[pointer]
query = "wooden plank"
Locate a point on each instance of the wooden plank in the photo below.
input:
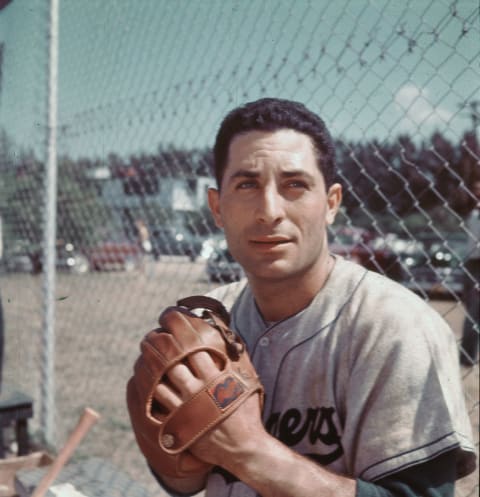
(10, 466)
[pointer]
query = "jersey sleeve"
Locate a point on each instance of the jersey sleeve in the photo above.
(434, 478)
(404, 401)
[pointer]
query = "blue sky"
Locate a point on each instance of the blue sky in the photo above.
(133, 75)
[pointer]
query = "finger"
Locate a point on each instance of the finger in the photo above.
(166, 398)
(203, 366)
(184, 380)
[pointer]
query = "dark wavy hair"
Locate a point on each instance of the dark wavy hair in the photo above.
(273, 114)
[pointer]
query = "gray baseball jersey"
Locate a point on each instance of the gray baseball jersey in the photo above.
(365, 380)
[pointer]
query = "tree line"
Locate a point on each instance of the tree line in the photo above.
(402, 185)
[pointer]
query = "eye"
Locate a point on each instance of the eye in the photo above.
(297, 184)
(245, 185)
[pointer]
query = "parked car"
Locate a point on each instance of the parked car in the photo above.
(222, 267)
(115, 255)
(18, 257)
(212, 243)
(25, 257)
(172, 241)
(408, 253)
(357, 245)
(439, 273)
(69, 258)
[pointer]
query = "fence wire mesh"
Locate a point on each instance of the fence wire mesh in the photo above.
(141, 91)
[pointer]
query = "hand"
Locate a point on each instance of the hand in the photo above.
(236, 435)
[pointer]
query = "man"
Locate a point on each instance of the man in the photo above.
(471, 294)
(363, 395)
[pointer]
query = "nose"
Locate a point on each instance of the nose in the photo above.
(270, 206)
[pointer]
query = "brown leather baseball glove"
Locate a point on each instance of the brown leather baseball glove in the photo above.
(164, 437)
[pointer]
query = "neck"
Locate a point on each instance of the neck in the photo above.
(281, 298)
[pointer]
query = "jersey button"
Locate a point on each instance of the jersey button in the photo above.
(264, 341)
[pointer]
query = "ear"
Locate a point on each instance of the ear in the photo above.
(213, 196)
(334, 200)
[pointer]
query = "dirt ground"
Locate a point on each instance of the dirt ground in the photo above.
(100, 320)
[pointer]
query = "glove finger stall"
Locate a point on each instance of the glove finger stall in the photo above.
(146, 435)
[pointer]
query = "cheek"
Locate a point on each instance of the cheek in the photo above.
(230, 209)
(313, 225)
(314, 214)
(231, 217)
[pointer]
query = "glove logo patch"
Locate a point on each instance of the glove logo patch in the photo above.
(226, 392)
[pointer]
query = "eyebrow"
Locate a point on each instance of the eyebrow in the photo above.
(292, 173)
(245, 173)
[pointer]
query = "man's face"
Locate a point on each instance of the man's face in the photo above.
(273, 205)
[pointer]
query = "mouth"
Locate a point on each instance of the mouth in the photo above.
(270, 241)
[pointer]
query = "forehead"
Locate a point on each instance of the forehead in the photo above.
(284, 146)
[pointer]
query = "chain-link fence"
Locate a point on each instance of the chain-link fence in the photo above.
(140, 92)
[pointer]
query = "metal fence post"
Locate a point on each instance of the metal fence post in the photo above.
(47, 410)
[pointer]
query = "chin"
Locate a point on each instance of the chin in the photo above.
(273, 272)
